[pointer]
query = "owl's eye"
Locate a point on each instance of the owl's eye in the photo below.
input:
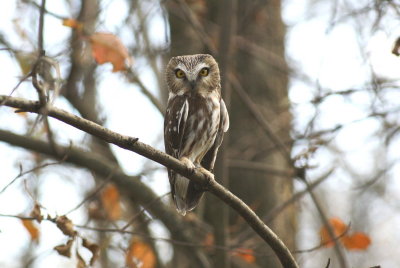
(204, 71)
(179, 73)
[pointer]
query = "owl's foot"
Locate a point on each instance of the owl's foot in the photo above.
(208, 174)
(189, 164)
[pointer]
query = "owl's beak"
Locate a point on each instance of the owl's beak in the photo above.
(192, 84)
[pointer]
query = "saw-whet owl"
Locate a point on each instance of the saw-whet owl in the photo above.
(195, 122)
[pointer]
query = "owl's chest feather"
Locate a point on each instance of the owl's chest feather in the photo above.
(201, 127)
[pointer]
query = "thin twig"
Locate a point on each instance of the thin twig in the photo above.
(144, 208)
(93, 194)
(335, 239)
(57, 16)
(21, 174)
(17, 86)
(41, 26)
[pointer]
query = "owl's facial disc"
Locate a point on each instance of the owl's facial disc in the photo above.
(192, 77)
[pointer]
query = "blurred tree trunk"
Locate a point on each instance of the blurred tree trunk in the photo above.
(260, 26)
(266, 82)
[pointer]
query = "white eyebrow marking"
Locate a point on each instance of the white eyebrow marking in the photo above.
(195, 71)
(182, 67)
(200, 66)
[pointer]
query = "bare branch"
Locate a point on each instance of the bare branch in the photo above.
(149, 152)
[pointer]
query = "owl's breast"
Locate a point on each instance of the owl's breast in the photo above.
(201, 128)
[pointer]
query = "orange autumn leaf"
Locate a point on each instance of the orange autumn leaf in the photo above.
(246, 254)
(111, 202)
(72, 23)
(140, 254)
(338, 227)
(31, 228)
(356, 241)
(107, 47)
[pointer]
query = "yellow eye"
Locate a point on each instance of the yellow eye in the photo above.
(179, 73)
(204, 71)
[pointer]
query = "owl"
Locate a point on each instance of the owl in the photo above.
(195, 122)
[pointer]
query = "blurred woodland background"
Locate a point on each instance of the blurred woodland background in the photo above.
(312, 91)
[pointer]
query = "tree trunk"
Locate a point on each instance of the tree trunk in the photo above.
(258, 64)
(266, 82)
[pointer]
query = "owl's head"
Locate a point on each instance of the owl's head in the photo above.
(193, 73)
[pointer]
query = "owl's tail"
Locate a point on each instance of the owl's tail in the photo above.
(186, 194)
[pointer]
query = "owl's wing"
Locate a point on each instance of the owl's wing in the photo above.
(174, 124)
(209, 159)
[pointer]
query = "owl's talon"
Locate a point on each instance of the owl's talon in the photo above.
(207, 173)
(189, 164)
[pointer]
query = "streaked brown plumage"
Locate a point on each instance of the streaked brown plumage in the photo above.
(195, 122)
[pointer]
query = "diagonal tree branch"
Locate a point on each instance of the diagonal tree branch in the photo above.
(149, 152)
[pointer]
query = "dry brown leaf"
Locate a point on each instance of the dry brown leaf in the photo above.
(140, 254)
(32, 229)
(94, 248)
(111, 202)
(396, 47)
(36, 213)
(65, 225)
(81, 262)
(65, 250)
(107, 47)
